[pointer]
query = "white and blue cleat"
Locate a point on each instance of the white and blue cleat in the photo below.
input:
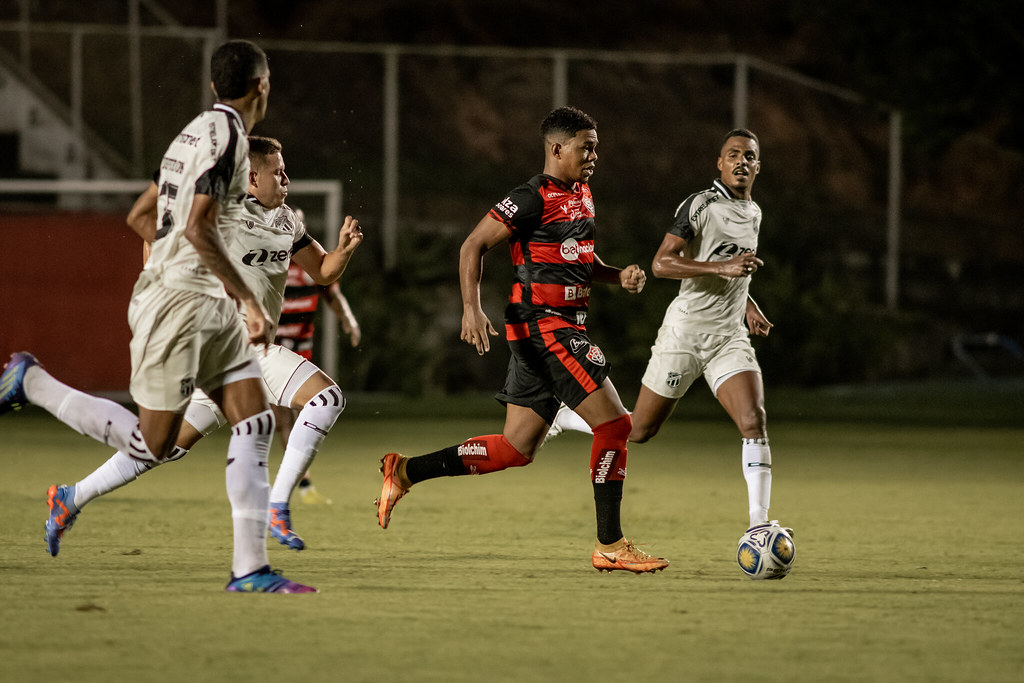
(12, 381)
(281, 527)
(266, 580)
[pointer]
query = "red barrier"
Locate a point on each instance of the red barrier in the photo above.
(65, 283)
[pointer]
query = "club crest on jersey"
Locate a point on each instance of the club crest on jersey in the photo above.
(589, 203)
(595, 355)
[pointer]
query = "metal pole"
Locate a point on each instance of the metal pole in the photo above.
(740, 94)
(135, 85)
(892, 256)
(560, 79)
(389, 227)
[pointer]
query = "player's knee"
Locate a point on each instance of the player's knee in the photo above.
(753, 423)
(643, 432)
(617, 430)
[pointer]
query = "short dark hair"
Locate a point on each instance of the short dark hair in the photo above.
(741, 133)
(260, 148)
(234, 66)
(566, 120)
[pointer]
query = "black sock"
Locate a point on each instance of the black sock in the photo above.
(608, 500)
(443, 463)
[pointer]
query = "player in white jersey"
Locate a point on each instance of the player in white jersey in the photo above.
(185, 329)
(712, 249)
(271, 235)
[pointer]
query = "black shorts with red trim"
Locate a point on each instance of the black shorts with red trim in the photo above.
(553, 361)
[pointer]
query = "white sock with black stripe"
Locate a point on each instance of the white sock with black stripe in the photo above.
(311, 426)
(117, 471)
(757, 470)
(249, 490)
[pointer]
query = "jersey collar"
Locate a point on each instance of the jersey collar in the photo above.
(721, 188)
(217, 106)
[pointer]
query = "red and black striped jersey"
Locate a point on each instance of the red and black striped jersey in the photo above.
(301, 295)
(551, 236)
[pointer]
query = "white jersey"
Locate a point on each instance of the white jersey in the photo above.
(262, 249)
(716, 226)
(210, 156)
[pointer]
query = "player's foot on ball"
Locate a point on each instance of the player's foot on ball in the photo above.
(625, 555)
(12, 382)
(63, 513)
(392, 490)
(266, 580)
(773, 522)
(281, 527)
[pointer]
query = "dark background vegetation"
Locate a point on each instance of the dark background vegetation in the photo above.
(468, 135)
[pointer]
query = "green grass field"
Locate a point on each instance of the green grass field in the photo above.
(907, 513)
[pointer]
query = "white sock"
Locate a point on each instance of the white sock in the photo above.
(757, 470)
(311, 426)
(567, 419)
(95, 417)
(119, 470)
(249, 490)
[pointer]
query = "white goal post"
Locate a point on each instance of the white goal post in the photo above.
(329, 190)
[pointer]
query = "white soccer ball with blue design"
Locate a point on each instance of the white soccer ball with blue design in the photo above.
(766, 551)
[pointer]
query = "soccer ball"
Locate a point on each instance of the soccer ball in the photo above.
(766, 551)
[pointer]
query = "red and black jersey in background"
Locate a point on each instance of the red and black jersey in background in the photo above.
(551, 236)
(301, 295)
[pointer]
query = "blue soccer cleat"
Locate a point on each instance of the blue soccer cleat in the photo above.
(266, 580)
(281, 526)
(63, 513)
(12, 381)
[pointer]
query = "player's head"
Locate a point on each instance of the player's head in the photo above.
(268, 182)
(739, 161)
(570, 143)
(239, 69)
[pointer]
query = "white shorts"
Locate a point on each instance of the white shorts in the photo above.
(181, 341)
(284, 372)
(678, 358)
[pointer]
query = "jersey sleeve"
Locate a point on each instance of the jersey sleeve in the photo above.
(300, 238)
(520, 211)
(682, 224)
(216, 179)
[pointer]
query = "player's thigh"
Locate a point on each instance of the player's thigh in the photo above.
(677, 359)
(287, 376)
(241, 399)
(601, 406)
(734, 356)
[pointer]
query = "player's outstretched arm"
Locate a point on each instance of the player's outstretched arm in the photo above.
(476, 328)
(632, 278)
(337, 302)
(325, 267)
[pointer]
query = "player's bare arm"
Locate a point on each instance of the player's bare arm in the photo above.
(142, 217)
(670, 263)
(337, 302)
(476, 328)
(325, 267)
(757, 323)
(632, 278)
(201, 232)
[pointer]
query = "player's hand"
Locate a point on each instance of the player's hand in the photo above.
(350, 236)
(756, 322)
(633, 278)
(477, 330)
(741, 265)
(257, 323)
(351, 328)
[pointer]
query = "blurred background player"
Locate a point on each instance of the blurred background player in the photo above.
(270, 235)
(296, 330)
(549, 223)
(186, 332)
(711, 249)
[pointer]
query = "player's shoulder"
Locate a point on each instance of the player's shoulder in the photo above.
(697, 203)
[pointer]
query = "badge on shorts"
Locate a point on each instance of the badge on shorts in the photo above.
(595, 355)
(673, 379)
(188, 385)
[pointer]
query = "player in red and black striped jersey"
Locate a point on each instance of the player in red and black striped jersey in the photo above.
(549, 224)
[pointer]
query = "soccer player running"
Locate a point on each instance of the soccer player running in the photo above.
(186, 332)
(711, 249)
(270, 234)
(549, 223)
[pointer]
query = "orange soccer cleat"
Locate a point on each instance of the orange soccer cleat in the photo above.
(625, 555)
(392, 490)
